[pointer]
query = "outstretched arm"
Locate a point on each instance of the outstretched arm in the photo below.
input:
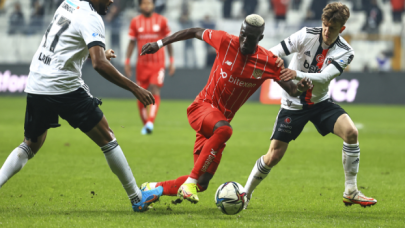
(109, 72)
(296, 90)
(323, 77)
(185, 34)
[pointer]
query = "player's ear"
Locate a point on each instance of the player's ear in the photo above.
(342, 29)
(261, 37)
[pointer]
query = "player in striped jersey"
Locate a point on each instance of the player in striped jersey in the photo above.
(240, 68)
(150, 69)
(321, 55)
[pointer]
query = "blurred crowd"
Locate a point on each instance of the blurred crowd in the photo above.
(29, 24)
(35, 19)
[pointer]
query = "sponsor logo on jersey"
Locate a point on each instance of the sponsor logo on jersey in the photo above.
(72, 4)
(67, 7)
(307, 53)
(228, 63)
(314, 69)
(306, 64)
(45, 59)
(320, 58)
(287, 120)
(210, 31)
(141, 29)
(240, 83)
(98, 34)
(223, 74)
(257, 73)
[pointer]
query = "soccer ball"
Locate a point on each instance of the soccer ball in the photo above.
(230, 198)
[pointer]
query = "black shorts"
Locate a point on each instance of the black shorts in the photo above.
(290, 123)
(78, 108)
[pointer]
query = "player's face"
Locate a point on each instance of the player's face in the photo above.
(330, 31)
(103, 6)
(147, 7)
(249, 37)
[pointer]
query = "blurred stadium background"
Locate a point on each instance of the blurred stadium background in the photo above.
(375, 30)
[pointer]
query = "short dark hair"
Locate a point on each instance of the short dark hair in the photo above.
(336, 12)
(140, 2)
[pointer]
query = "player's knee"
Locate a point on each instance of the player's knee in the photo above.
(224, 132)
(351, 135)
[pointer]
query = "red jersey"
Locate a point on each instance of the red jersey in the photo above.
(149, 29)
(235, 77)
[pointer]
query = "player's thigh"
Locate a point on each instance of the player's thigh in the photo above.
(143, 76)
(80, 109)
(101, 133)
(157, 77)
(345, 129)
(40, 115)
(289, 124)
(203, 118)
(326, 119)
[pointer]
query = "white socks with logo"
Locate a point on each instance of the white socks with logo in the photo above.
(15, 162)
(351, 161)
(259, 172)
(119, 166)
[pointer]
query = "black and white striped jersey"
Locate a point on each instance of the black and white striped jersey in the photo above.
(57, 64)
(315, 60)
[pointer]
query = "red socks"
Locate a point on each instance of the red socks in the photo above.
(143, 112)
(154, 109)
(171, 187)
(210, 150)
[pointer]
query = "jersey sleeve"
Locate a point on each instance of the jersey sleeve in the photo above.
(342, 62)
(93, 31)
(291, 44)
(132, 30)
(165, 31)
(271, 70)
(213, 37)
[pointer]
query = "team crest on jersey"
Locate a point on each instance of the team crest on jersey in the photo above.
(140, 29)
(257, 73)
(320, 58)
(287, 120)
(156, 28)
(329, 61)
(228, 63)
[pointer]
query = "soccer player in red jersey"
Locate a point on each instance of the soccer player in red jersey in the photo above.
(150, 70)
(240, 68)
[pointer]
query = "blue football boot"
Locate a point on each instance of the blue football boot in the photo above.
(148, 197)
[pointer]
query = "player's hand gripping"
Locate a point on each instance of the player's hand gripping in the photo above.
(305, 84)
(110, 54)
(144, 96)
(150, 48)
(288, 74)
(280, 62)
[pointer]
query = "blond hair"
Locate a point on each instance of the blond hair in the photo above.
(255, 20)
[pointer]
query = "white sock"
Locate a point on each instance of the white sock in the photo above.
(259, 172)
(191, 181)
(119, 166)
(152, 185)
(15, 162)
(351, 161)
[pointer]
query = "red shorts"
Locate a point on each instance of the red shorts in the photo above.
(149, 74)
(202, 118)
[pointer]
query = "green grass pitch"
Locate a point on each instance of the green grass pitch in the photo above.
(69, 184)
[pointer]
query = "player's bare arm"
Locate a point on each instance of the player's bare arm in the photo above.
(151, 48)
(296, 89)
(109, 72)
(109, 54)
(172, 68)
(130, 49)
